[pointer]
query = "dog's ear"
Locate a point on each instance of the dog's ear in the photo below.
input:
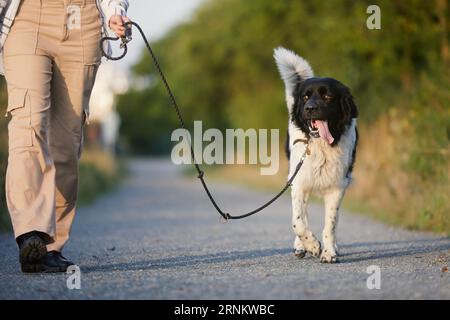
(348, 105)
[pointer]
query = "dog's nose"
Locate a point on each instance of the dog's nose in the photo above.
(310, 107)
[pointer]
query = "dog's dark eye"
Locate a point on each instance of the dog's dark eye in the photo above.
(305, 97)
(328, 97)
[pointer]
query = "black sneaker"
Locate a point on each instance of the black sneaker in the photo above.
(55, 262)
(32, 251)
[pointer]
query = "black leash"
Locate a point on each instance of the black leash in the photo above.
(201, 174)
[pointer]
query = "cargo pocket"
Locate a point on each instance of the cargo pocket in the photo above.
(20, 131)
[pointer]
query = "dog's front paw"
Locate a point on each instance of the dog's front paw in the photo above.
(313, 247)
(328, 257)
(316, 250)
(299, 249)
(300, 253)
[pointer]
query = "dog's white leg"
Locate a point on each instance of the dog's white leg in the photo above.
(332, 202)
(305, 240)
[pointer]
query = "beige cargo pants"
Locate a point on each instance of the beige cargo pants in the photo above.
(51, 56)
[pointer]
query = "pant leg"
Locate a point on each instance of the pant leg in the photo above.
(68, 115)
(30, 187)
(76, 64)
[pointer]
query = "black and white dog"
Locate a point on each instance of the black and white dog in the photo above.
(322, 118)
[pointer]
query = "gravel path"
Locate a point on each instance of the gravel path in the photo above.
(157, 237)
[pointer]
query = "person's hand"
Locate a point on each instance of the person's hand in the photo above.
(116, 23)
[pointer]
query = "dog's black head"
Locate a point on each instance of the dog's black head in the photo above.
(323, 105)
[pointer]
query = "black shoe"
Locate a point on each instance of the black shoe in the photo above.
(32, 251)
(65, 260)
(55, 262)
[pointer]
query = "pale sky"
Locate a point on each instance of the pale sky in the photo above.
(156, 17)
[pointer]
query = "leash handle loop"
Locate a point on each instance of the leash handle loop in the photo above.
(125, 40)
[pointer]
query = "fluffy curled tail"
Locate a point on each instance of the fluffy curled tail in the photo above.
(292, 67)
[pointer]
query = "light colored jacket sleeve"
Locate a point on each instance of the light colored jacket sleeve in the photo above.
(112, 7)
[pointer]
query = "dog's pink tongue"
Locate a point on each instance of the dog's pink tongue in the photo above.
(324, 132)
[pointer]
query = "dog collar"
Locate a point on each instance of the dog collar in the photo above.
(314, 134)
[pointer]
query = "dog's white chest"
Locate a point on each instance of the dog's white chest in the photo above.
(325, 167)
